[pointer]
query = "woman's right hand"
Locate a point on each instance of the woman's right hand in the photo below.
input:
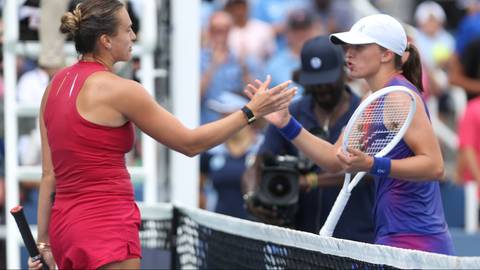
(279, 118)
(270, 103)
(47, 257)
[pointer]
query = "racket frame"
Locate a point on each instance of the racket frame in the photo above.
(342, 199)
(371, 98)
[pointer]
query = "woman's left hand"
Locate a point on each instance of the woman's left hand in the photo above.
(355, 160)
(280, 115)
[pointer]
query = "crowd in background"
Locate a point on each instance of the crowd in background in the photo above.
(247, 39)
(242, 40)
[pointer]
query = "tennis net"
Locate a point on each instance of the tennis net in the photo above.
(206, 240)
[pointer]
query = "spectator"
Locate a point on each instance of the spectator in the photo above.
(469, 27)
(434, 42)
(460, 68)
(436, 46)
(225, 164)
(207, 8)
(324, 109)
(249, 37)
(468, 165)
(220, 70)
(274, 12)
(300, 28)
(465, 71)
(334, 15)
(29, 16)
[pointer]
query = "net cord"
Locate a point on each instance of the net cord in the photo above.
(376, 254)
(395, 257)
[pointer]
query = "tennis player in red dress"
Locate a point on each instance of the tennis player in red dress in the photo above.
(86, 122)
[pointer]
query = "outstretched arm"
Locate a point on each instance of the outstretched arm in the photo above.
(137, 106)
(319, 151)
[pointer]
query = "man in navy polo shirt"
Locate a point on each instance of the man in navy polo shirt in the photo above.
(324, 110)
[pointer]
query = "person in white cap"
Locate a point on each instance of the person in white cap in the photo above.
(433, 41)
(408, 211)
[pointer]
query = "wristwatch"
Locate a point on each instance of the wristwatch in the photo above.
(248, 114)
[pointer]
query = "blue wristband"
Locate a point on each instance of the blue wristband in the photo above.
(291, 130)
(381, 166)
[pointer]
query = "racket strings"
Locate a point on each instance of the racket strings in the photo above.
(378, 124)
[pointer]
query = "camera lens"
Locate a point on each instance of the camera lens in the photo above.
(279, 186)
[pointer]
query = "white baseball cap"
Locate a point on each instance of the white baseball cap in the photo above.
(429, 9)
(380, 29)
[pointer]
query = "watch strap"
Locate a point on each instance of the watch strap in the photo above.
(249, 115)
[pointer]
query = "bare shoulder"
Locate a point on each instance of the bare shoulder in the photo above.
(112, 81)
(420, 102)
(124, 96)
(112, 86)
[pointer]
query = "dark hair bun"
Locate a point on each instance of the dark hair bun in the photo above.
(71, 22)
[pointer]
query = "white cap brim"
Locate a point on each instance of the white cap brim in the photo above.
(351, 38)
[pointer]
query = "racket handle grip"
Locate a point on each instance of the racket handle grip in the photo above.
(335, 213)
(24, 228)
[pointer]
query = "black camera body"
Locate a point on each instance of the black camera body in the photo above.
(278, 190)
(279, 186)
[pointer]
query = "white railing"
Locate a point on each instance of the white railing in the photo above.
(471, 207)
(11, 131)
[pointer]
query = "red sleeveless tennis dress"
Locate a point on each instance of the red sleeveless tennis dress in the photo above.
(94, 219)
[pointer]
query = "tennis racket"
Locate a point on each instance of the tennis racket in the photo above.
(376, 126)
(17, 213)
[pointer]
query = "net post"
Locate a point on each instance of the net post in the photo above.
(173, 237)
